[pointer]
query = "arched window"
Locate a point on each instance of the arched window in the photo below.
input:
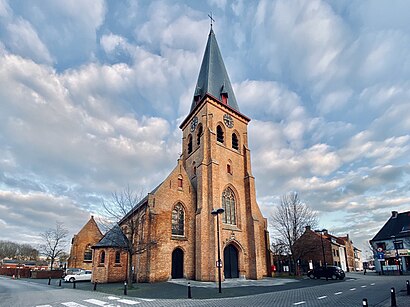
(178, 216)
(194, 167)
(117, 257)
(219, 134)
(189, 144)
(102, 257)
(235, 142)
(229, 169)
(88, 253)
(198, 136)
(140, 229)
(180, 182)
(228, 204)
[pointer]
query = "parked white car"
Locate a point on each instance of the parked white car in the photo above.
(80, 276)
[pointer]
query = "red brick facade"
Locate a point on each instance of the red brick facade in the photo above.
(89, 235)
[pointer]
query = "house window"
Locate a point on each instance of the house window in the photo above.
(398, 244)
(102, 257)
(198, 136)
(189, 144)
(228, 204)
(117, 257)
(235, 142)
(219, 134)
(180, 182)
(88, 253)
(178, 216)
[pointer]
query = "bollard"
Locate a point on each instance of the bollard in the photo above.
(74, 284)
(49, 280)
(365, 302)
(393, 297)
(125, 288)
(408, 287)
(95, 286)
(59, 283)
(189, 290)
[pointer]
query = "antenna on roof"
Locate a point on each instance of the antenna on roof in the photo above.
(212, 20)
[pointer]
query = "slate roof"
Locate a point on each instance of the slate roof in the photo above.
(140, 203)
(113, 238)
(213, 78)
(396, 226)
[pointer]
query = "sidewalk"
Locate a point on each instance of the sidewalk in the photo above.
(402, 299)
(178, 289)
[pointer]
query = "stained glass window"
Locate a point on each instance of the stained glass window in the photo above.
(228, 204)
(178, 217)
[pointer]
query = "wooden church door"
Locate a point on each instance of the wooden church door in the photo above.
(231, 262)
(177, 263)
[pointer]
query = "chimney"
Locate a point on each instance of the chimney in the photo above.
(307, 228)
(394, 214)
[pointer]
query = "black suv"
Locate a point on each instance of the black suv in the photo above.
(333, 272)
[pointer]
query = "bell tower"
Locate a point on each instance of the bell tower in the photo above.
(216, 157)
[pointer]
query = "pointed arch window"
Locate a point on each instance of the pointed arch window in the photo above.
(228, 204)
(198, 136)
(219, 134)
(189, 144)
(178, 219)
(102, 257)
(88, 253)
(235, 141)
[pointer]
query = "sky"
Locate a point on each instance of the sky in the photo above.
(92, 94)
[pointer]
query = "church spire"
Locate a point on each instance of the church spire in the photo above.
(213, 78)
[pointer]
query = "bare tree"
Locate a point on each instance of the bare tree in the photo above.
(289, 220)
(18, 251)
(8, 249)
(54, 242)
(27, 252)
(123, 210)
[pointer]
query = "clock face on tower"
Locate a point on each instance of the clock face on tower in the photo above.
(194, 123)
(228, 120)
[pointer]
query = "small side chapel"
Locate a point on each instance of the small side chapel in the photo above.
(178, 234)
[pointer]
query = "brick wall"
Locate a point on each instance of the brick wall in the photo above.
(90, 234)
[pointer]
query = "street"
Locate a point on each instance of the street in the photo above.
(349, 292)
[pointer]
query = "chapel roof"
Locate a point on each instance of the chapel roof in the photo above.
(113, 238)
(213, 78)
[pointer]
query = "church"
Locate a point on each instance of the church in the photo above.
(178, 230)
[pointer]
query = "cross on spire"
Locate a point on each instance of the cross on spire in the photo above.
(212, 20)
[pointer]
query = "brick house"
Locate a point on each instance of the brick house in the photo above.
(178, 234)
(309, 251)
(81, 255)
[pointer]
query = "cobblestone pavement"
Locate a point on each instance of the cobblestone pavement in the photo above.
(278, 292)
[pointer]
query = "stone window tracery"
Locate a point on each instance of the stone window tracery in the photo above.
(228, 204)
(178, 219)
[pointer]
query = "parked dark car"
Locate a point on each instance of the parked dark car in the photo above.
(333, 272)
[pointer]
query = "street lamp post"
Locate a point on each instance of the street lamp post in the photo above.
(217, 212)
(323, 247)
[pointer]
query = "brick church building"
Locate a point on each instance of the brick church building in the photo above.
(177, 234)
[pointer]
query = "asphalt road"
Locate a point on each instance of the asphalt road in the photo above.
(349, 292)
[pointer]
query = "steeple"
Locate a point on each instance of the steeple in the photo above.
(213, 78)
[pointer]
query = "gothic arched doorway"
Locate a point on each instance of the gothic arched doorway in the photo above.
(177, 263)
(231, 262)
